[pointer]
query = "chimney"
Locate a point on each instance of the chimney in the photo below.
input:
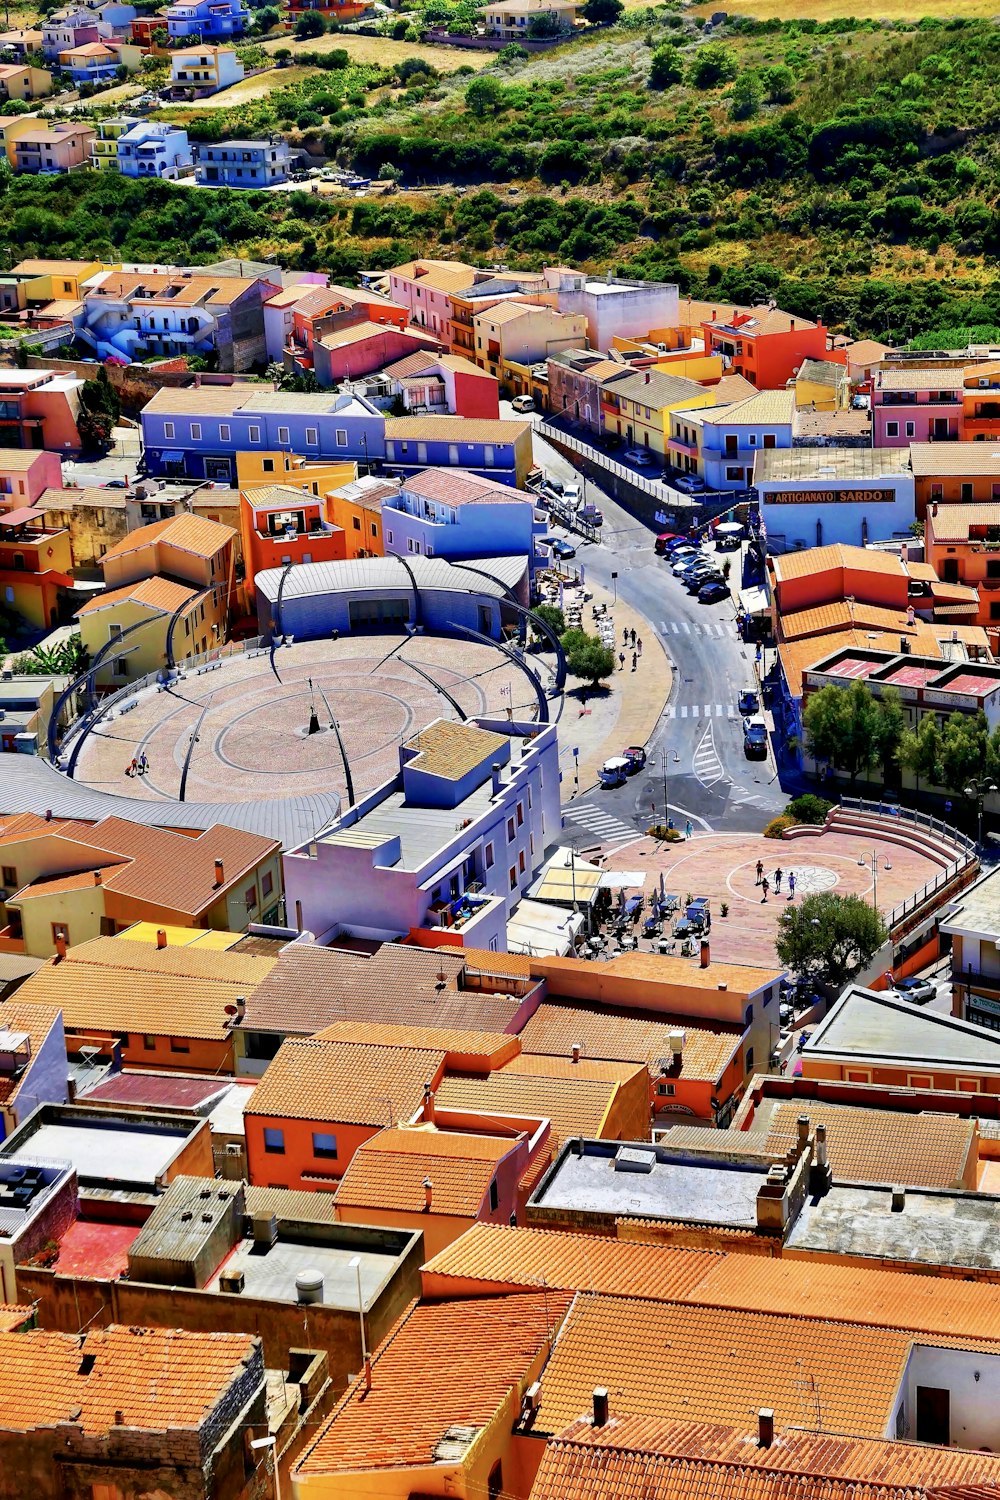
(821, 1145)
(600, 1406)
(161, 938)
(97, 877)
(428, 1108)
(820, 1171)
(706, 953)
(898, 1199)
(933, 513)
(647, 378)
(723, 984)
(220, 872)
(765, 1427)
(60, 948)
(576, 1052)
(368, 1372)
(241, 1007)
(497, 770)
(48, 810)
(119, 1419)
(802, 1131)
(428, 1193)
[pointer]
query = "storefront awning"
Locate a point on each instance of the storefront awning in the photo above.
(754, 600)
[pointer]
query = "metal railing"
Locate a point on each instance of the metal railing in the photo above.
(910, 815)
(651, 487)
(952, 870)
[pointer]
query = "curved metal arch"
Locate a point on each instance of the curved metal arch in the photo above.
(171, 663)
(418, 605)
(277, 627)
(478, 635)
(509, 594)
(463, 716)
(103, 656)
(526, 617)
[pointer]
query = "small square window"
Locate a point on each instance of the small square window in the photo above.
(342, 438)
(282, 434)
(196, 432)
(250, 897)
(312, 437)
(149, 1043)
(223, 432)
(10, 876)
(179, 1044)
(892, 429)
(274, 1141)
(168, 429)
(267, 884)
(324, 1145)
(267, 464)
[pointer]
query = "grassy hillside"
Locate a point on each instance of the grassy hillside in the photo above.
(849, 169)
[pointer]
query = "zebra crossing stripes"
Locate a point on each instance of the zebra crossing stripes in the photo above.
(712, 629)
(701, 711)
(595, 820)
(706, 763)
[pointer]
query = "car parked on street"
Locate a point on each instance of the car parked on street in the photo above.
(748, 704)
(641, 457)
(755, 740)
(636, 757)
(713, 592)
(662, 543)
(689, 484)
(918, 990)
(522, 403)
(558, 547)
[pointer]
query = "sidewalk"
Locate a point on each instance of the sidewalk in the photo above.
(628, 712)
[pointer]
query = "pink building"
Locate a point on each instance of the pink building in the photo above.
(362, 348)
(426, 288)
(917, 406)
(25, 473)
(444, 383)
(39, 409)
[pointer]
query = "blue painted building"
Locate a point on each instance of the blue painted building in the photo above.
(153, 149)
(243, 164)
(196, 433)
(454, 514)
(208, 20)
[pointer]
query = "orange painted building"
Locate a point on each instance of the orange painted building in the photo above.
(981, 403)
(765, 345)
(954, 474)
(962, 545)
(327, 308)
(826, 575)
(35, 566)
(356, 508)
(280, 524)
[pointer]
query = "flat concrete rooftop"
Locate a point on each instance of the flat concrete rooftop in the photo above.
(932, 1229)
(678, 1187)
(271, 1272)
(106, 1153)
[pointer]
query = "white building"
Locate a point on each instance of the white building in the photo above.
(152, 149)
(452, 841)
(814, 497)
(614, 308)
(732, 436)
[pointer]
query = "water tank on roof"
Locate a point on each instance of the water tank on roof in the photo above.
(309, 1286)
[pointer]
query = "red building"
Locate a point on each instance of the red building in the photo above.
(331, 307)
(444, 383)
(331, 10)
(765, 345)
(362, 348)
(280, 524)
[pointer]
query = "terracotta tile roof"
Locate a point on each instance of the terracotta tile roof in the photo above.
(920, 378)
(692, 313)
(501, 430)
(605, 1069)
(344, 1083)
(480, 1050)
(359, 333)
(445, 1365)
(629, 1037)
(57, 885)
(882, 1145)
(760, 320)
(928, 460)
(311, 987)
(188, 532)
(799, 657)
(944, 1306)
(112, 984)
(161, 595)
(13, 1317)
(866, 352)
(575, 1106)
(412, 364)
(459, 487)
(732, 388)
(838, 555)
(840, 615)
(765, 406)
(509, 965)
(952, 523)
(442, 275)
(665, 1359)
(499, 1257)
(652, 1458)
(656, 388)
(743, 979)
(37, 1021)
(389, 1170)
(452, 750)
(158, 1378)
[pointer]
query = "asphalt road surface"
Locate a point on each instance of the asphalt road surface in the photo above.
(698, 742)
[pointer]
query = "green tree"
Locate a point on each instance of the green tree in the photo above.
(544, 25)
(603, 12)
(920, 751)
(484, 96)
(552, 616)
(779, 84)
(309, 24)
(745, 97)
(713, 64)
(666, 67)
(587, 657)
(828, 939)
(67, 659)
(851, 729)
(965, 752)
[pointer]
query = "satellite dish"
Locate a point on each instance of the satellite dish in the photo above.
(230, 1010)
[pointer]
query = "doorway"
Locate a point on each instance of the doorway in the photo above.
(933, 1415)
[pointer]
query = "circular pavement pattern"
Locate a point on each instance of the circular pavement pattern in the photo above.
(810, 879)
(253, 741)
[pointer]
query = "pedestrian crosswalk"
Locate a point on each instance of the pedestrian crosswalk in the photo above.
(706, 763)
(595, 820)
(701, 711)
(716, 630)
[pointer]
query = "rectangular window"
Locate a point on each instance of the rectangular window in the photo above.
(267, 465)
(267, 884)
(274, 1141)
(196, 432)
(966, 491)
(521, 861)
(892, 429)
(520, 814)
(489, 856)
(488, 456)
(253, 435)
(10, 876)
(312, 437)
(179, 1044)
(667, 1089)
(513, 878)
(421, 453)
(356, 522)
(510, 830)
(223, 432)
(910, 429)
(324, 1145)
(341, 438)
(494, 1196)
(251, 897)
(453, 453)
(149, 1043)
(282, 434)
(168, 429)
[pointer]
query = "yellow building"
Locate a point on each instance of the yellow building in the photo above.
(55, 280)
(19, 81)
(822, 385)
(637, 406)
(104, 146)
(512, 336)
(151, 602)
(357, 509)
(258, 470)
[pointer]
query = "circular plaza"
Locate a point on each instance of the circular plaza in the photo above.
(247, 731)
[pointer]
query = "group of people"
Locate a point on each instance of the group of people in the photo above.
(636, 642)
(779, 875)
(138, 765)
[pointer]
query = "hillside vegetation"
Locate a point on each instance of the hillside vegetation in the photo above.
(849, 169)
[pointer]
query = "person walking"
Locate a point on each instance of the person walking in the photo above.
(634, 660)
(791, 885)
(143, 764)
(632, 633)
(621, 660)
(777, 879)
(688, 829)
(625, 635)
(767, 887)
(760, 872)
(639, 645)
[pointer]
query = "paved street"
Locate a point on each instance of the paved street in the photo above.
(699, 740)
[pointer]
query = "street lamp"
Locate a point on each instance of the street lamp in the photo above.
(980, 790)
(872, 861)
(354, 1264)
(614, 580)
(270, 1442)
(663, 767)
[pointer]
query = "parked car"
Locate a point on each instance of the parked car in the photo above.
(748, 704)
(690, 484)
(683, 564)
(755, 740)
(613, 772)
(571, 496)
(713, 591)
(636, 757)
(700, 579)
(522, 403)
(682, 544)
(591, 515)
(116, 484)
(663, 541)
(915, 989)
(559, 548)
(641, 457)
